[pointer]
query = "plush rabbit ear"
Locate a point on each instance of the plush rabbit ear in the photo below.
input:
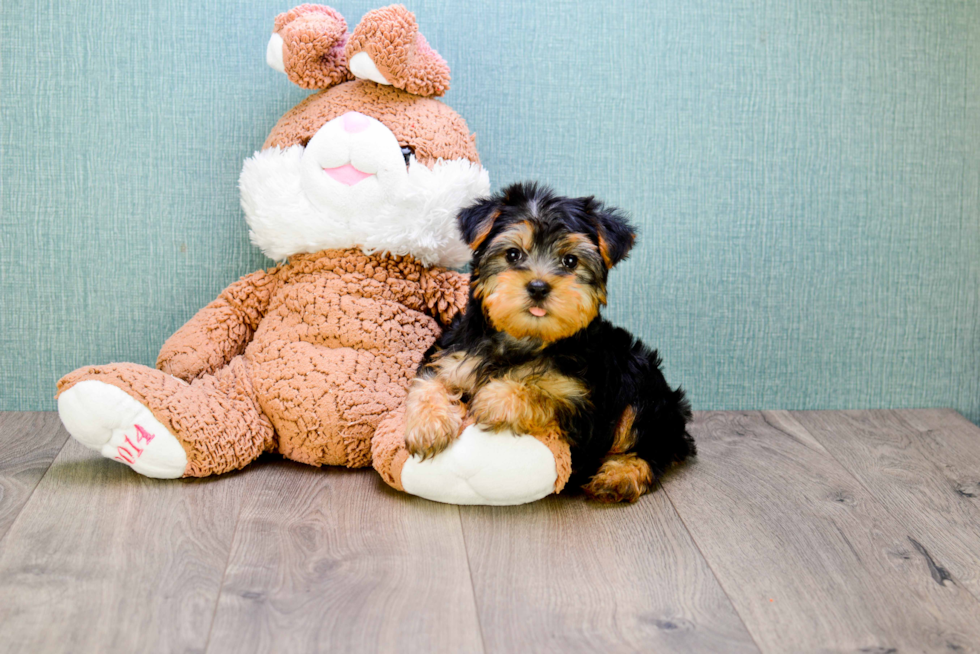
(386, 47)
(308, 45)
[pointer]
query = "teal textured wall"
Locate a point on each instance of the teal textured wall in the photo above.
(806, 176)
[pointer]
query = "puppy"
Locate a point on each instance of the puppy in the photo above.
(532, 354)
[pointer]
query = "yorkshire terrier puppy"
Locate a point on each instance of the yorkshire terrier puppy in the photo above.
(531, 352)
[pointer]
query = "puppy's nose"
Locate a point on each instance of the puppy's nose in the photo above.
(538, 289)
(355, 122)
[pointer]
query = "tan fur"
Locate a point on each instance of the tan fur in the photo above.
(571, 305)
(621, 478)
(604, 247)
(604, 250)
(456, 371)
(485, 228)
(552, 385)
(509, 404)
(576, 243)
(624, 438)
(484, 286)
(433, 414)
(519, 235)
(523, 402)
(432, 417)
(580, 245)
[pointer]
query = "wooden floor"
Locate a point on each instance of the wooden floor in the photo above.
(792, 532)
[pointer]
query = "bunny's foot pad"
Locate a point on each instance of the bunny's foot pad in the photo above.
(105, 418)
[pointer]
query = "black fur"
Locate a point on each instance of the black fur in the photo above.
(588, 216)
(618, 369)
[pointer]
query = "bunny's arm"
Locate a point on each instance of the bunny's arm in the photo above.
(221, 330)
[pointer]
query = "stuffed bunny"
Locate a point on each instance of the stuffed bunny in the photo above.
(356, 190)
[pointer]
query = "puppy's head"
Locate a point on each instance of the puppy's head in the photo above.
(540, 261)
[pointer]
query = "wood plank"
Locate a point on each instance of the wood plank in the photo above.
(925, 476)
(104, 560)
(567, 575)
(29, 442)
(952, 443)
(334, 560)
(809, 558)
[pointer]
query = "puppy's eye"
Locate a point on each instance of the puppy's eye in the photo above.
(569, 261)
(513, 255)
(407, 152)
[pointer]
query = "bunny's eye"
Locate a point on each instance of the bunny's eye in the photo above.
(407, 152)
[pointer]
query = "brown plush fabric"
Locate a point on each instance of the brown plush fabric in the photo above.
(329, 342)
(430, 128)
(391, 38)
(219, 331)
(389, 453)
(563, 457)
(340, 343)
(313, 38)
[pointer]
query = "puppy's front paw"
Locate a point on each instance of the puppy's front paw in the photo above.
(427, 436)
(507, 404)
(432, 419)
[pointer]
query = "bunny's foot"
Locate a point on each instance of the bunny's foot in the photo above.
(107, 419)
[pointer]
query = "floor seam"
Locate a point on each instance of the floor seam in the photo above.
(30, 495)
(469, 569)
(711, 568)
(224, 574)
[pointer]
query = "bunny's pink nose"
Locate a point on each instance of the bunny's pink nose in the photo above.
(355, 122)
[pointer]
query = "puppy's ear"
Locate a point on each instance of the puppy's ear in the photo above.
(616, 234)
(476, 221)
